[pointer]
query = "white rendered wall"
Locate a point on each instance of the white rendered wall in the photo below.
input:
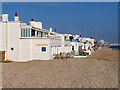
(26, 49)
(3, 26)
(55, 46)
(75, 44)
(0, 36)
(29, 50)
(36, 24)
(13, 34)
(65, 45)
(36, 50)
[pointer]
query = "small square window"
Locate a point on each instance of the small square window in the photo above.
(43, 49)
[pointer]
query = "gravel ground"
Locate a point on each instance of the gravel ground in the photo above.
(65, 73)
(105, 53)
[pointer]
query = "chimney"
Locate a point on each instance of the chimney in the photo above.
(4, 17)
(16, 14)
(55, 30)
(50, 29)
(32, 19)
(16, 18)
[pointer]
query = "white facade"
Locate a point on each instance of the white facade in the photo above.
(3, 36)
(92, 41)
(76, 46)
(80, 44)
(24, 48)
(22, 42)
(36, 24)
(33, 51)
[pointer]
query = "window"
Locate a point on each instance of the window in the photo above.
(43, 49)
(84, 47)
(45, 34)
(28, 32)
(65, 38)
(12, 48)
(73, 48)
(25, 32)
(32, 32)
(39, 33)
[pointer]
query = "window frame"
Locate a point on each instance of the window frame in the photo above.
(25, 32)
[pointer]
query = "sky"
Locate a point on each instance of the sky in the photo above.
(0, 8)
(88, 19)
(59, 0)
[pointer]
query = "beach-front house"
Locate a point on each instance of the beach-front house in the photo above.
(22, 42)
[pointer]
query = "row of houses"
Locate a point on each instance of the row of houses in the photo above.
(22, 42)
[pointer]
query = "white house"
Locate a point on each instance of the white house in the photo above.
(80, 44)
(22, 42)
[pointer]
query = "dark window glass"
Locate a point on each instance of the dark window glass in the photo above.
(43, 49)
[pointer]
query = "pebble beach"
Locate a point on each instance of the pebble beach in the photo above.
(61, 73)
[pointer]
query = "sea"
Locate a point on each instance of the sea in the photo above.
(115, 47)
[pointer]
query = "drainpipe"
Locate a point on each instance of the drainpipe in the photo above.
(6, 39)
